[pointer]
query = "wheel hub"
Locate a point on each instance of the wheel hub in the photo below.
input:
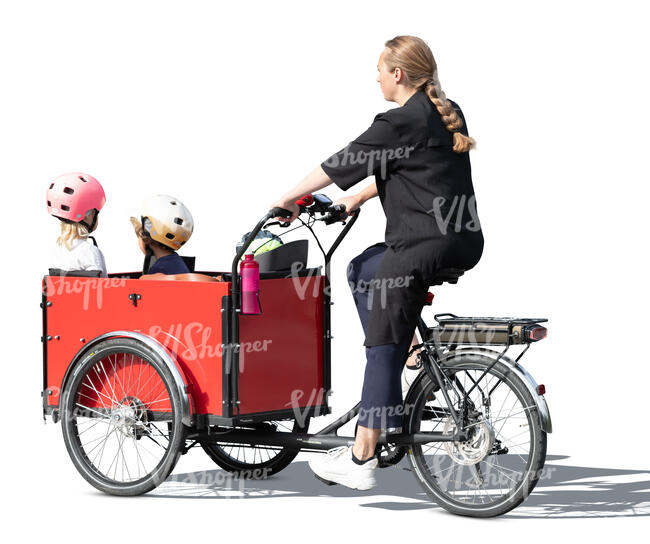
(476, 448)
(129, 417)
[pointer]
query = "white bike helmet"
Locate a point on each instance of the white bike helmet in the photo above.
(166, 220)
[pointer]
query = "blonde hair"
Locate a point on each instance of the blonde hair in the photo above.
(73, 231)
(413, 56)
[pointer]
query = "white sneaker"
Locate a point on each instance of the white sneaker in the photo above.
(408, 377)
(337, 467)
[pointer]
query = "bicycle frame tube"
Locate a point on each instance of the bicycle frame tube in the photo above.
(316, 442)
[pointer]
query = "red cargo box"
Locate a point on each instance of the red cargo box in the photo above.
(281, 363)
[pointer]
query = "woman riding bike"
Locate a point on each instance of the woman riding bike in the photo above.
(418, 153)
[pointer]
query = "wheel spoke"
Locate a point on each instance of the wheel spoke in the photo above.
(116, 453)
(442, 464)
(239, 456)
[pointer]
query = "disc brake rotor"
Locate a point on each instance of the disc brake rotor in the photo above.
(475, 449)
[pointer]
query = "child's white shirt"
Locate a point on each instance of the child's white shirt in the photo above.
(84, 255)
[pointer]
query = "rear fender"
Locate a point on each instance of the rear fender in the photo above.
(529, 381)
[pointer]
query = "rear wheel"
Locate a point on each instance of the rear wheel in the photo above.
(121, 418)
(499, 465)
(255, 461)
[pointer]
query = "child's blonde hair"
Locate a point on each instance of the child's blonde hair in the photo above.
(74, 231)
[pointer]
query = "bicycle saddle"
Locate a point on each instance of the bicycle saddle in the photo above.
(447, 275)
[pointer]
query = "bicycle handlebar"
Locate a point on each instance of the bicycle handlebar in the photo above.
(278, 212)
(334, 213)
(321, 204)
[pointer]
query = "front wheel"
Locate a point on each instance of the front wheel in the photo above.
(121, 418)
(255, 461)
(499, 465)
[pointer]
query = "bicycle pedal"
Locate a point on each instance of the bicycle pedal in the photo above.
(327, 482)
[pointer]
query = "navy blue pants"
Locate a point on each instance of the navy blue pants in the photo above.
(381, 397)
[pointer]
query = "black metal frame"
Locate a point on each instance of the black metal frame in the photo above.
(45, 339)
(327, 437)
(221, 428)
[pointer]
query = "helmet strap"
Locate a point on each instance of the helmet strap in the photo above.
(147, 260)
(94, 222)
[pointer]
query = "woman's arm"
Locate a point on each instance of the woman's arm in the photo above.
(354, 202)
(318, 179)
(368, 193)
(315, 180)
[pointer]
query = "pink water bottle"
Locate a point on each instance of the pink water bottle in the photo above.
(249, 269)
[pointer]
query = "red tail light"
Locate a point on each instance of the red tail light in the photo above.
(541, 389)
(534, 334)
(429, 299)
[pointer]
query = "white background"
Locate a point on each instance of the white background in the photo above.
(226, 107)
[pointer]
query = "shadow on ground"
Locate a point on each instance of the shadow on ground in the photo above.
(563, 491)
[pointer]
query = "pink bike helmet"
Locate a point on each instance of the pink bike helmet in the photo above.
(72, 195)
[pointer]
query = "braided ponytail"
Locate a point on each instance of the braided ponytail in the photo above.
(449, 115)
(415, 59)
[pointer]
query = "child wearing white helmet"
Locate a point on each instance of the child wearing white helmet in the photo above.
(76, 199)
(164, 226)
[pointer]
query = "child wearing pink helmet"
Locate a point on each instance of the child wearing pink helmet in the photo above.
(75, 199)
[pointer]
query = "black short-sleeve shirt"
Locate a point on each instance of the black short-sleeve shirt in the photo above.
(427, 195)
(362, 157)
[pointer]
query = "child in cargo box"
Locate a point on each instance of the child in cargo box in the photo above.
(165, 225)
(76, 199)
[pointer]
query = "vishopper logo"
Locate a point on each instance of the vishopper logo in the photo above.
(224, 482)
(196, 341)
(495, 477)
(301, 282)
(377, 287)
(301, 409)
(476, 333)
(381, 416)
(91, 288)
(378, 414)
(443, 212)
(346, 157)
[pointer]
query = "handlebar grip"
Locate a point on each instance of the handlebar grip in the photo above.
(279, 212)
(336, 213)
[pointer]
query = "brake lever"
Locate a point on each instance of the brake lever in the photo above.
(336, 214)
(302, 209)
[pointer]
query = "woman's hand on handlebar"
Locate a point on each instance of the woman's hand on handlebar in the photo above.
(290, 206)
(351, 203)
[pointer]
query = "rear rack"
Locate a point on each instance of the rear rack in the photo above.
(514, 320)
(452, 329)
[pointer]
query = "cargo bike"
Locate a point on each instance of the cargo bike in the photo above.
(139, 369)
